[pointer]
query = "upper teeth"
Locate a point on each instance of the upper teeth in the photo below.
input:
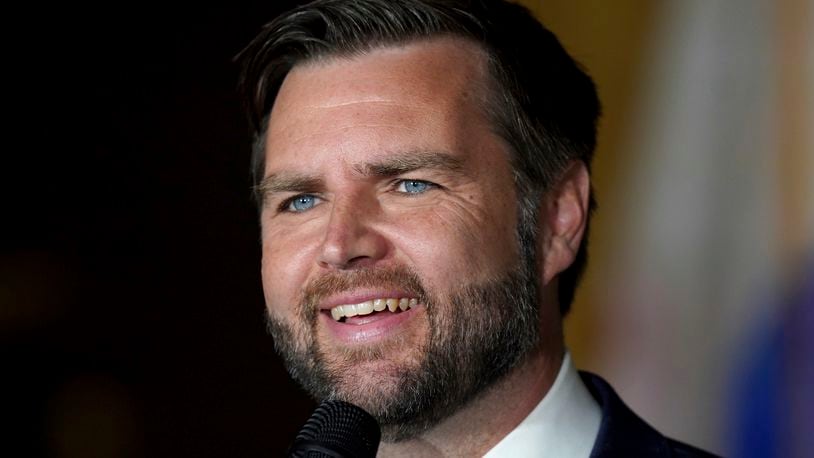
(368, 307)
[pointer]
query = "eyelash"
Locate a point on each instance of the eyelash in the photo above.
(286, 204)
(397, 183)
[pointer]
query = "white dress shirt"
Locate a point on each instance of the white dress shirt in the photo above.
(563, 425)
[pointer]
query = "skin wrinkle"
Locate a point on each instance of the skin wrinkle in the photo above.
(398, 163)
(456, 212)
(422, 110)
(461, 240)
(271, 137)
(451, 196)
(345, 129)
(435, 166)
(367, 101)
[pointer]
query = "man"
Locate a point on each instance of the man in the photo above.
(422, 174)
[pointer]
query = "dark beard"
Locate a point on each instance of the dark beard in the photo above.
(482, 333)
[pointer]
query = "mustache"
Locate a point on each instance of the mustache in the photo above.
(400, 278)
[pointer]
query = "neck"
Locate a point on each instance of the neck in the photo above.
(478, 426)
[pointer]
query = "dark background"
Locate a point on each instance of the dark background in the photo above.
(131, 314)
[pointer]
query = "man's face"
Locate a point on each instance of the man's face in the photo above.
(385, 182)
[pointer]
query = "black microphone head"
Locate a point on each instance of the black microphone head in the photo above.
(338, 429)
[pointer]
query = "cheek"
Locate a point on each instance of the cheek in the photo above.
(452, 245)
(284, 268)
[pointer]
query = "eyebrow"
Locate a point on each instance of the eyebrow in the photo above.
(392, 165)
(397, 164)
(287, 182)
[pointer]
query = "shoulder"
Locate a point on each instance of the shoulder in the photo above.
(623, 433)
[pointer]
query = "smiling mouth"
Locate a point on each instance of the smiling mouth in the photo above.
(340, 312)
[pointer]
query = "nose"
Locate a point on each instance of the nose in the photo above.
(351, 241)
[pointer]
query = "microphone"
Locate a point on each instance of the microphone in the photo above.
(337, 429)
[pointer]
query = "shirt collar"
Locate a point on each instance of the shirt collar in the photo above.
(564, 424)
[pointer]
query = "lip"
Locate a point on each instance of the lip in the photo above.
(359, 296)
(379, 325)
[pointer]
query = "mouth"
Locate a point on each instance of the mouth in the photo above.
(342, 312)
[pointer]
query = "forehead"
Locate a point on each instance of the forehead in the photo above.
(415, 69)
(433, 86)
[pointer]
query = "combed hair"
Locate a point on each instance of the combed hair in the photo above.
(542, 103)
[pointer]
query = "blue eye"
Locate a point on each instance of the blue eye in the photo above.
(302, 203)
(413, 186)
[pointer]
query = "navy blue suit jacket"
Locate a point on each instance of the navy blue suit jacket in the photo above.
(623, 434)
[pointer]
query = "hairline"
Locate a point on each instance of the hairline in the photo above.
(506, 115)
(489, 90)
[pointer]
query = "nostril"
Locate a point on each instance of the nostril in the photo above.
(358, 260)
(348, 246)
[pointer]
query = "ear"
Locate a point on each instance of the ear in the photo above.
(563, 218)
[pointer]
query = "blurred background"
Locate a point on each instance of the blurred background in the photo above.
(131, 314)
(699, 301)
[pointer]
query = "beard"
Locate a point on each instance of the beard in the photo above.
(476, 336)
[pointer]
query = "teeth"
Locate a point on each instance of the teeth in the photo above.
(392, 304)
(365, 308)
(368, 307)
